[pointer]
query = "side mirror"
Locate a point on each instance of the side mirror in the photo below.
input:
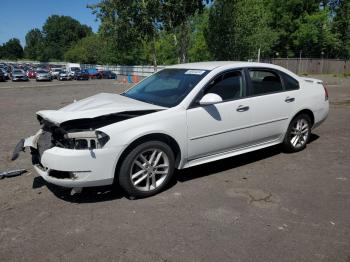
(210, 99)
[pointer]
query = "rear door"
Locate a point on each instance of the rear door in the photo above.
(271, 104)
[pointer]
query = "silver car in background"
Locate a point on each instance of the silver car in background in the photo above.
(19, 75)
(63, 75)
(55, 71)
(43, 75)
(6, 74)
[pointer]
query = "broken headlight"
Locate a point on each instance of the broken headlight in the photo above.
(86, 140)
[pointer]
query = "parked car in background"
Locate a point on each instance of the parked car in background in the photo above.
(2, 76)
(19, 75)
(43, 75)
(72, 68)
(31, 74)
(182, 116)
(5, 73)
(82, 75)
(63, 75)
(72, 72)
(55, 71)
(94, 74)
(5, 69)
(107, 74)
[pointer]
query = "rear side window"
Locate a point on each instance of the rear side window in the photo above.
(228, 86)
(290, 83)
(265, 82)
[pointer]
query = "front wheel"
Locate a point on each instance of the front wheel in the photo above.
(147, 169)
(298, 134)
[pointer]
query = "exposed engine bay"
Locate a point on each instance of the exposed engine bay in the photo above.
(78, 134)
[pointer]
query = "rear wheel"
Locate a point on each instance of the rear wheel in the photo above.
(298, 134)
(147, 169)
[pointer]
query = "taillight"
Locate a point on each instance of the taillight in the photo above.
(325, 93)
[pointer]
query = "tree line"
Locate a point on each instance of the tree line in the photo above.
(173, 31)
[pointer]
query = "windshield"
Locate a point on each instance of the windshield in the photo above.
(166, 88)
(18, 72)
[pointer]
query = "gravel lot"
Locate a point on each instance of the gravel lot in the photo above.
(261, 206)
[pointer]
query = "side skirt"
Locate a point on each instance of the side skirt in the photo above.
(230, 153)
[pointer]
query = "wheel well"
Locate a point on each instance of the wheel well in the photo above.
(309, 113)
(151, 137)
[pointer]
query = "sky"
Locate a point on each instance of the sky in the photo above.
(17, 17)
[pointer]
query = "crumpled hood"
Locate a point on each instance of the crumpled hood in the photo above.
(94, 106)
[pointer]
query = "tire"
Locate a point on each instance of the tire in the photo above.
(152, 178)
(298, 134)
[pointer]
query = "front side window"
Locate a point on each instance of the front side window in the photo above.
(265, 82)
(167, 87)
(228, 86)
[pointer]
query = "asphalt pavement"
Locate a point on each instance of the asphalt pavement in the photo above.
(261, 206)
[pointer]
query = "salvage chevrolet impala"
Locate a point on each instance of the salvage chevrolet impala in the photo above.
(182, 116)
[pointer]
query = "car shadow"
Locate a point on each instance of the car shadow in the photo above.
(230, 163)
(88, 195)
(110, 193)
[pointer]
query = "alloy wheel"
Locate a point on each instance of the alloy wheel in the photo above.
(299, 133)
(149, 169)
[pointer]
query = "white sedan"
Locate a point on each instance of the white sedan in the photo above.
(182, 116)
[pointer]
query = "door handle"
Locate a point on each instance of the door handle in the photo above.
(289, 99)
(242, 108)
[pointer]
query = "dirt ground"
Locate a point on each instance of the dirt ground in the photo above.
(261, 206)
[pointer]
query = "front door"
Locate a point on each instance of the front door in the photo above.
(224, 126)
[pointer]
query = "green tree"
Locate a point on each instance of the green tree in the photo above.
(198, 50)
(341, 26)
(34, 44)
(169, 51)
(60, 33)
(177, 17)
(131, 24)
(166, 52)
(127, 24)
(86, 51)
(286, 17)
(314, 35)
(238, 29)
(12, 49)
(92, 49)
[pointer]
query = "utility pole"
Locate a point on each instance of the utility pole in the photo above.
(322, 62)
(259, 55)
(300, 53)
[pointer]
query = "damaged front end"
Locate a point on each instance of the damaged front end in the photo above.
(71, 149)
(78, 134)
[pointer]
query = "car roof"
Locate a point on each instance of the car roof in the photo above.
(234, 64)
(216, 64)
